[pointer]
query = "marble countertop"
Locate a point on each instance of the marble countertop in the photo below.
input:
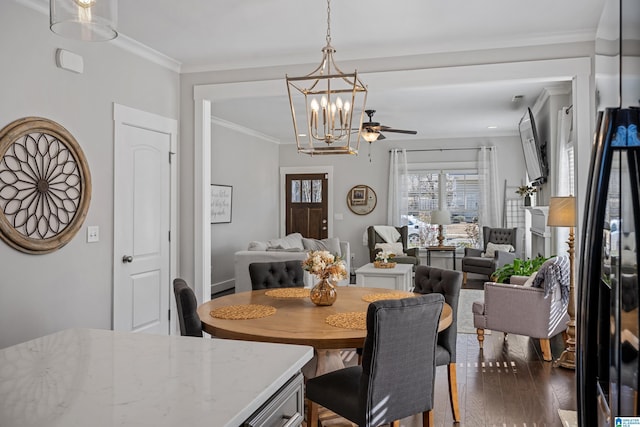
(89, 377)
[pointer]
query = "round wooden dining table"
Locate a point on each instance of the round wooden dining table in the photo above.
(298, 320)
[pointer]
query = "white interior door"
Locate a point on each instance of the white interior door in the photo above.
(142, 221)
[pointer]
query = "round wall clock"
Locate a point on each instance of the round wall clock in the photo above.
(45, 185)
(361, 199)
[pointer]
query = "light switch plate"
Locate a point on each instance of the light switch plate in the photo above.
(93, 234)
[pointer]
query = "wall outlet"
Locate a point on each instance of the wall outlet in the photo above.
(93, 234)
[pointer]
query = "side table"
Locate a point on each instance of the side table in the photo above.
(398, 277)
(451, 249)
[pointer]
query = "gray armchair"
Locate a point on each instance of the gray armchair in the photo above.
(411, 256)
(473, 260)
(536, 308)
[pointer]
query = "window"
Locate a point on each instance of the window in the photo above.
(461, 190)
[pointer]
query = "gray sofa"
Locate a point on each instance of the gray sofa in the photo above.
(290, 247)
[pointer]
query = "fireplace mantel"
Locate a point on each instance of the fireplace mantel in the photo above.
(540, 231)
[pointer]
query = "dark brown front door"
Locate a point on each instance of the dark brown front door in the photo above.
(307, 205)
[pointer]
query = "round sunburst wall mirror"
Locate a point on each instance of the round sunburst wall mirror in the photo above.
(45, 185)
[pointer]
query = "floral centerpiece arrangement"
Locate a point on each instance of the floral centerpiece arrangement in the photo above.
(384, 259)
(326, 267)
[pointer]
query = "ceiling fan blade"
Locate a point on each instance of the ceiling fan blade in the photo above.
(387, 129)
(381, 137)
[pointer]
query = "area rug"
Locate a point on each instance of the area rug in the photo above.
(568, 418)
(465, 314)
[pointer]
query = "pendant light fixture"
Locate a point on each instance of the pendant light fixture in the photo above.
(323, 104)
(87, 20)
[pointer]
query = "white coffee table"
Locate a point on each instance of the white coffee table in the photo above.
(398, 277)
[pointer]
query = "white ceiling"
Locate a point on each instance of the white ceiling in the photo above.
(236, 34)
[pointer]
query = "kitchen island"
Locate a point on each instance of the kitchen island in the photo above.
(82, 377)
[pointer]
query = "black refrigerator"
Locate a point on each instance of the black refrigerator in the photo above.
(608, 324)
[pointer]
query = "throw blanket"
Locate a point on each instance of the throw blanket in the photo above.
(554, 272)
(387, 232)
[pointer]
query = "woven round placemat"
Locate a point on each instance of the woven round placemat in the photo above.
(350, 320)
(288, 293)
(243, 312)
(386, 295)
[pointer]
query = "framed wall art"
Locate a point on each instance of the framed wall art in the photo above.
(45, 185)
(221, 199)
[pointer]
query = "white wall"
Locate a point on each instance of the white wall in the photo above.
(373, 170)
(71, 287)
(250, 165)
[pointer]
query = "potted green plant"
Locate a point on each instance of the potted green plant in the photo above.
(519, 267)
(526, 191)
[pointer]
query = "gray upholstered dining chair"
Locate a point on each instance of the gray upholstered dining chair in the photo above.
(187, 305)
(448, 283)
(396, 378)
(485, 261)
(277, 274)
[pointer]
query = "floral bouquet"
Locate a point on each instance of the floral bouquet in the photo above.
(325, 265)
(384, 256)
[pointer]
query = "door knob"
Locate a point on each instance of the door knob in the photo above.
(127, 258)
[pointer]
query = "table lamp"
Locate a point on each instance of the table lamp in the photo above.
(440, 217)
(562, 213)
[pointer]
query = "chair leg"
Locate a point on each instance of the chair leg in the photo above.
(453, 392)
(427, 419)
(545, 346)
(395, 423)
(480, 333)
(464, 278)
(312, 413)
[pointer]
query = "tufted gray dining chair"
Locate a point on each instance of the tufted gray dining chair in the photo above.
(430, 280)
(187, 306)
(396, 378)
(277, 274)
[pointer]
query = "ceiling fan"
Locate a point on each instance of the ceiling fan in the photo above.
(371, 131)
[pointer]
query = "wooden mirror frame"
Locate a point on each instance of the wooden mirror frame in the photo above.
(45, 185)
(361, 199)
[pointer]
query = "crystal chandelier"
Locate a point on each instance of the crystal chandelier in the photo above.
(88, 20)
(328, 98)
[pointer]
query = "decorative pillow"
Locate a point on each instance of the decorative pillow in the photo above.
(257, 246)
(394, 248)
(290, 241)
(490, 250)
(281, 249)
(331, 244)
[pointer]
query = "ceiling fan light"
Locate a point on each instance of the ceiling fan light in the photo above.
(87, 20)
(370, 136)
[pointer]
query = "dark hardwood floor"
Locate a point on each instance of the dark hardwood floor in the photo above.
(505, 385)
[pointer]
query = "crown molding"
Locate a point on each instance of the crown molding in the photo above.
(244, 130)
(122, 41)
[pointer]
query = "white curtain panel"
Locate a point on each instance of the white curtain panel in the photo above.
(563, 172)
(398, 203)
(489, 209)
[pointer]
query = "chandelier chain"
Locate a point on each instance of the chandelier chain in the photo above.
(328, 22)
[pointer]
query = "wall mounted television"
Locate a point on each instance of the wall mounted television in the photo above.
(534, 150)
